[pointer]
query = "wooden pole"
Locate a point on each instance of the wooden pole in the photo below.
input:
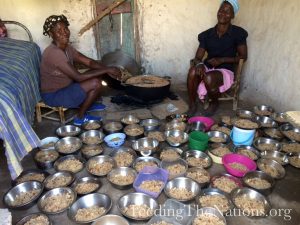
(100, 16)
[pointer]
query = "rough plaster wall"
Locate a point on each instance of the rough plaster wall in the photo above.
(168, 34)
(32, 13)
(271, 74)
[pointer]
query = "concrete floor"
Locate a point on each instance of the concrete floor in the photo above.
(285, 199)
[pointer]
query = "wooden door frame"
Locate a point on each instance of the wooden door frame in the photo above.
(136, 36)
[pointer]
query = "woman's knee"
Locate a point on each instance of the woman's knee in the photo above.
(91, 84)
(213, 80)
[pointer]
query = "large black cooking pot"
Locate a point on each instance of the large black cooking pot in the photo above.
(147, 94)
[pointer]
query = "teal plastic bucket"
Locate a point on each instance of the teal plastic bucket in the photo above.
(241, 136)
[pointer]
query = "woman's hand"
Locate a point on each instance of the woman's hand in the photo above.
(200, 70)
(214, 62)
(114, 72)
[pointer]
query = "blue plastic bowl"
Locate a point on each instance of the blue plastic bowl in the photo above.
(115, 140)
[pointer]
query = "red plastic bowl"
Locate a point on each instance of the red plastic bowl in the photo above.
(206, 120)
(237, 158)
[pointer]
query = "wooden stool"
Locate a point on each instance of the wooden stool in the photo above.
(52, 110)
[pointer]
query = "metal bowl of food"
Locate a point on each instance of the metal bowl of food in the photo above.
(134, 131)
(176, 168)
(200, 175)
(130, 119)
(170, 153)
(294, 159)
(150, 124)
(68, 131)
(182, 189)
(111, 220)
(86, 185)
(196, 158)
(92, 125)
(48, 143)
(225, 182)
(244, 114)
(215, 198)
(217, 151)
(247, 124)
(141, 162)
(124, 156)
(158, 135)
(56, 200)
(259, 181)
(68, 145)
(44, 159)
(251, 202)
(24, 195)
(31, 175)
(291, 147)
(278, 117)
(112, 127)
(72, 163)
(274, 133)
(92, 137)
(266, 121)
(59, 179)
(218, 137)
(209, 215)
(146, 146)
(248, 151)
(176, 138)
(137, 206)
(88, 151)
(280, 157)
(271, 167)
(89, 208)
(122, 177)
(35, 218)
(175, 125)
(100, 165)
(291, 132)
(178, 117)
(263, 110)
(267, 144)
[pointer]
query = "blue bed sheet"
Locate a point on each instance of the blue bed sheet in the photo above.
(19, 93)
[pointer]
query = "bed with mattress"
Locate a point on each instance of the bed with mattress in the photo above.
(19, 93)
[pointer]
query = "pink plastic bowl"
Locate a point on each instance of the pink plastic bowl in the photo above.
(237, 158)
(206, 120)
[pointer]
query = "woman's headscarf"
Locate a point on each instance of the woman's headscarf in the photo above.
(235, 5)
(51, 21)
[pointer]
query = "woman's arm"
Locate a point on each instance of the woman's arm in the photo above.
(97, 66)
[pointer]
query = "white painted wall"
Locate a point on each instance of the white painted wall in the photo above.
(32, 13)
(168, 33)
(272, 71)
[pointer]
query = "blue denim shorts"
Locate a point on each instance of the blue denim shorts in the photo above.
(71, 96)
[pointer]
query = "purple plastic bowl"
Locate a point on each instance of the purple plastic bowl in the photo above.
(151, 173)
(237, 158)
(206, 120)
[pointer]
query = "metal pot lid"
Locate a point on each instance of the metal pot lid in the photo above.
(122, 60)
